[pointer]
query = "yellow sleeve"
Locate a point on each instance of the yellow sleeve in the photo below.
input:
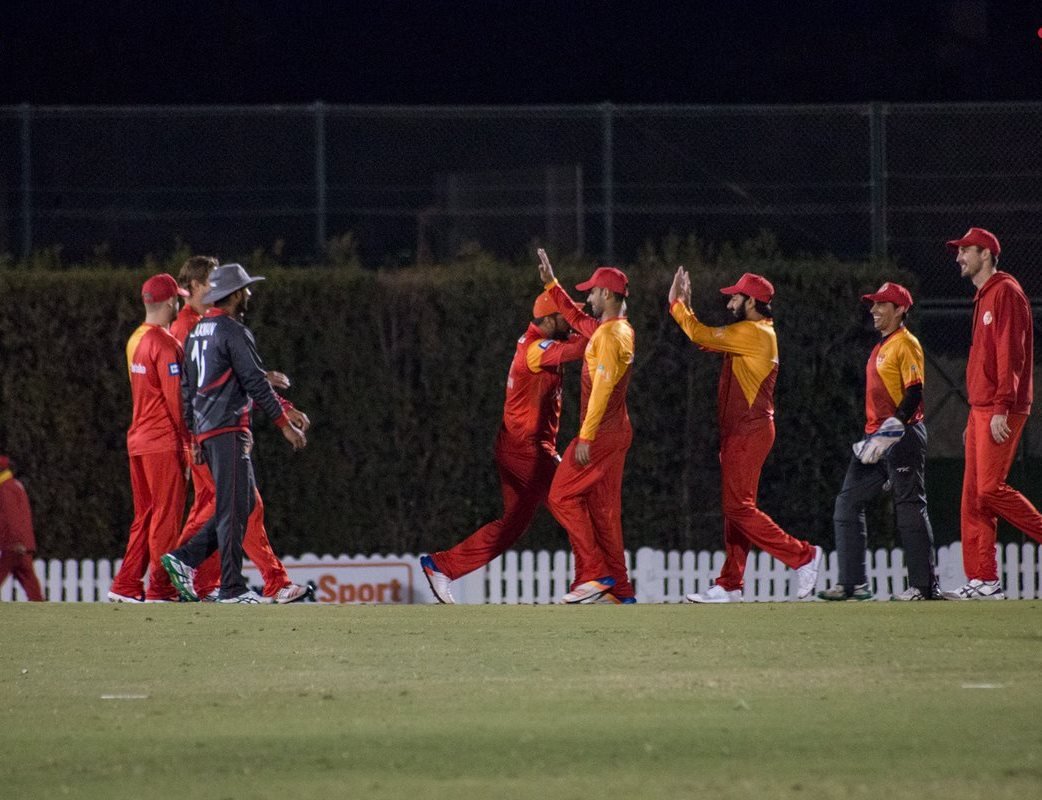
(912, 363)
(610, 355)
(740, 338)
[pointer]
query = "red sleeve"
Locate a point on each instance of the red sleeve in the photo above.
(1012, 317)
(583, 323)
(19, 520)
(170, 361)
(561, 352)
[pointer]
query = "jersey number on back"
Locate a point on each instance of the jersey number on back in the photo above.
(199, 358)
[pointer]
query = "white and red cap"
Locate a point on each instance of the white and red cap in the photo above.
(977, 237)
(890, 293)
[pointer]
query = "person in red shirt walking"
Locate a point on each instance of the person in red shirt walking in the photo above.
(157, 443)
(526, 446)
(999, 386)
(17, 542)
(586, 493)
(194, 278)
(745, 405)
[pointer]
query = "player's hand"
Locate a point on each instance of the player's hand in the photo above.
(198, 457)
(582, 453)
(295, 436)
(685, 287)
(278, 380)
(546, 271)
(1000, 430)
(298, 418)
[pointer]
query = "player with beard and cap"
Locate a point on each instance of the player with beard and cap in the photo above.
(222, 378)
(194, 278)
(586, 494)
(526, 447)
(745, 409)
(157, 443)
(999, 375)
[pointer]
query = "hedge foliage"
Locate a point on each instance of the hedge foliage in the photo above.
(403, 375)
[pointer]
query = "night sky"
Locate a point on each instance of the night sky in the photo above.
(438, 52)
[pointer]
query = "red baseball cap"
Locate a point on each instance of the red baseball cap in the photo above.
(755, 286)
(610, 278)
(543, 306)
(978, 237)
(161, 287)
(890, 293)
(5, 462)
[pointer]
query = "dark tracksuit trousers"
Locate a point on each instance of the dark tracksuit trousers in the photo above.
(228, 456)
(904, 466)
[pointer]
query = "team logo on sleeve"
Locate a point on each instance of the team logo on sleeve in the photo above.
(174, 368)
(987, 318)
(545, 344)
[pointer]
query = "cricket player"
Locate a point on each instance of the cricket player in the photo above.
(526, 446)
(893, 452)
(999, 376)
(157, 443)
(586, 493)
(223, 377)
(194, 278)
(745, 407)
(17, 541)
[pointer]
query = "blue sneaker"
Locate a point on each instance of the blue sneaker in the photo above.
(438, 580)
(610, 599)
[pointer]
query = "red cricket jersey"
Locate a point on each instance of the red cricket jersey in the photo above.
(1002, 353)
(532, 410)
(182, 326)
(154, 359)
(16, 521)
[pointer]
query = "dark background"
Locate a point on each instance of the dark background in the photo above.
(435, 52)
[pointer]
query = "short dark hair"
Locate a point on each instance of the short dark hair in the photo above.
(763, 309)
(196, 268)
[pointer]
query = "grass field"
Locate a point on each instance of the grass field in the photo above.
(786, 700)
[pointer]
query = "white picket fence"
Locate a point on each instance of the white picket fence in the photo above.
(542, 577)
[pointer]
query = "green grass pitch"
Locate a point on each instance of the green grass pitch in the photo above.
(783, 700)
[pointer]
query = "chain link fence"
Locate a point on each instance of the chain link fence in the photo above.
(420, 184)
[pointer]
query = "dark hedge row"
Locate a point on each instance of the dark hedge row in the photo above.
(402, 374)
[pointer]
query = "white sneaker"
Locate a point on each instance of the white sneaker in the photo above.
(807, 575)
(911, 594)
(291, 593)
(211, 597)
(589, 591)
(438, 580)
(124, 598)
(716, 594)
(248, 597)
(977, 589)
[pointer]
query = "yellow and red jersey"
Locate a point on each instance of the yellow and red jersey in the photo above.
(532, 410)
(16, 520)
(154, 361)
(606, 369)
(896, 363)
(182, 326)
(745, 398)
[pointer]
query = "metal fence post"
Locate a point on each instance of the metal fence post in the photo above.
(320, 179)
(608, 160)
(877, 181)
(27, 183)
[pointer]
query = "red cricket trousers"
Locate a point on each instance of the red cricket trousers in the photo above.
(255, 543)
(20, 565)
(587, 501)
(741, 461)
(986, 495)
(524, 480)
(157, 481)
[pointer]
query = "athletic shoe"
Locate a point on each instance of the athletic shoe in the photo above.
(716, 594)
(164, 600)
(438, 580)
(211, 597)
(977, 589)
(181, 575)
(291, 594)
(609, 599)
(807, 575)
(911, 594)
(589, 592)
(124, 598)
(248, 597)
(840, 592)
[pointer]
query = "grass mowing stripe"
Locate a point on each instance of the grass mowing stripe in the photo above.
(766, 700)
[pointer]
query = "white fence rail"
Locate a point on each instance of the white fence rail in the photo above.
(542, 577)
